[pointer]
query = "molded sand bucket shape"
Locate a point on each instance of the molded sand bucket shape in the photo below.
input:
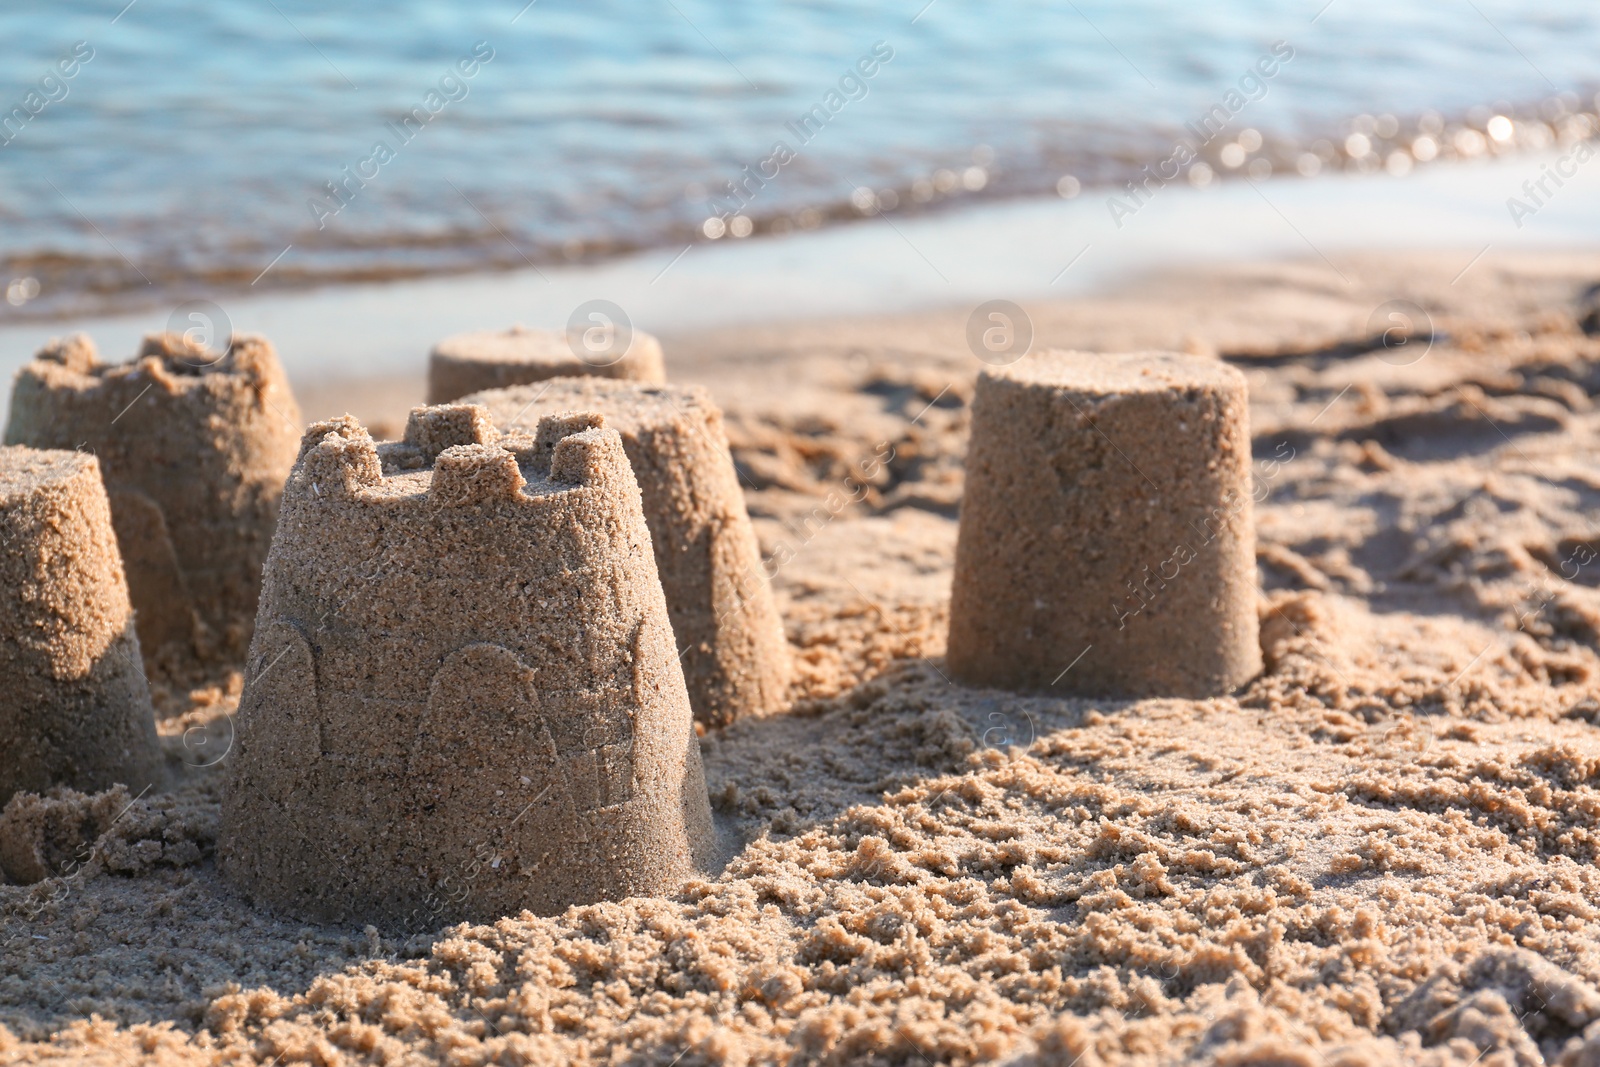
(463, 698)
(194, 449)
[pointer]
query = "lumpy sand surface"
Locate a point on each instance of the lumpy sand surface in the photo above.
(1381, 849)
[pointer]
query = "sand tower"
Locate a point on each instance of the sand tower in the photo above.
(734, 653)
(462, 698)
(1106, 544)
(194, 450)
(494, 359)
(74, 706)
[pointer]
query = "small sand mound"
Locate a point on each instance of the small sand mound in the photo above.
(730, 637)
(65, 834)
(74, 706)
(494, 359)
(1107, 542)
(463, 698)
(194, 449)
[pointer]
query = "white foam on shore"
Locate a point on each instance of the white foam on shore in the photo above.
(1019, 250)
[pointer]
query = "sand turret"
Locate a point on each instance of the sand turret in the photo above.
(734, 652)
(74, 706)
(194, 450)
(462, 698)
(1106, 543)
(494, 359)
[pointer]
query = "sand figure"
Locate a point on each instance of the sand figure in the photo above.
(194, 450)
(1106, 541)
(494, 359)
(463, 698)
(734, 652)
(74, 706)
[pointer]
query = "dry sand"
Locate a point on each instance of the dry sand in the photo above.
(495, 359)
(1107, 543)
(76, 708)
(194, 448)
(729, 635)
(463, 697)
(1383, 849)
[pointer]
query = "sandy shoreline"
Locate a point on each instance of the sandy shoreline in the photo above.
(1026, 250)
(1382, 849)
(1296, 302)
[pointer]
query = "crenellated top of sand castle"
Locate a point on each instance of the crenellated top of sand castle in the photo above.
(453, 456)
(194, 449)
(731, 639)
(168, 359)
(463, 645)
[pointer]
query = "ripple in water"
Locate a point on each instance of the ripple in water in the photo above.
(195, 145)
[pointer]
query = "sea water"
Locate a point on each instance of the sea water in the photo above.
(198, 147)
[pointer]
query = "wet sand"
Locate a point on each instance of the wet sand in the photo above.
(1381, 849)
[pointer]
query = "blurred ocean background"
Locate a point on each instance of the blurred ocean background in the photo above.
(187, 154)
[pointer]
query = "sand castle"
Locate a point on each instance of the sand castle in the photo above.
(734, 652)
(462, 698)
(494, 359)
(74, 706)
(194, 450)
(1106, 542)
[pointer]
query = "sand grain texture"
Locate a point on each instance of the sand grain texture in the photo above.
(1381, 850)
(194, 449)
(729, 635)
(74, 705)
(1107, 541)
(495, 359)
(463, 698)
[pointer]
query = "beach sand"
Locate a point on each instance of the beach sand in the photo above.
(1381, 849)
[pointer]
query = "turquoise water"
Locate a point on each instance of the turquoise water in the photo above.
(191, 148)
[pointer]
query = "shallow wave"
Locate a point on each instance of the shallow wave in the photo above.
(187, 155)
(55, 283)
